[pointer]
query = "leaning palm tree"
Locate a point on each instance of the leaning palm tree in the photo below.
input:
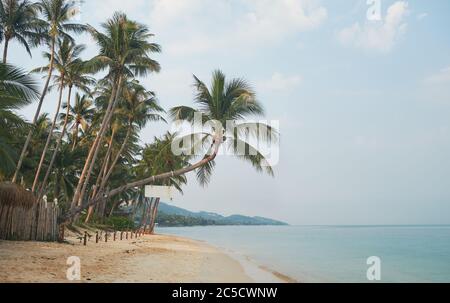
(124, 52)
(17, 89)
(18, 21)
(137, 107)
(56, 22)
(224, 103)
(66, 57)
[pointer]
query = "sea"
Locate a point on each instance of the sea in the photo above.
(336, 254)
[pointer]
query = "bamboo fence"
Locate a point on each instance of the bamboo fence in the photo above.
(38, 222)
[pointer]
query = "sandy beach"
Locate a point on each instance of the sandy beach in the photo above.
(154, 259)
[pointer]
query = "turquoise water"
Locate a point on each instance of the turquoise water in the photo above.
(337, 253)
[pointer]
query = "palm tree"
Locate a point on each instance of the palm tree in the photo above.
(136, 108)
(17, 89)
(64, 174)
(65, 58)
(80, 115)
(57, 24)
(139, 107)
(75, 77)
(158, 158)
(124, 52)
(222, 102)
(18, 21)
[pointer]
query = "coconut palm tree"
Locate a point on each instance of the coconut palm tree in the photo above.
(222, 102)
(64, 174)
(124, 53)
(18, 21)
(56, 24)
(136, 108)
(80, 116)
(17, 89)
(66, 57)
(158, 158)
(139, 107)
(75, 78)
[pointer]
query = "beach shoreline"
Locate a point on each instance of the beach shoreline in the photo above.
(149, 259)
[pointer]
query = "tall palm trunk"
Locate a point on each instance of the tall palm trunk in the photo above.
(102, 174)
(89, 167)
(38, 111)
(154, 215)
(116, 159)
(113, 208)
(94, 150)
(58, 146)
(145, 208)
(75, 134)
(5, 50)
(148, 215)
(50, 135)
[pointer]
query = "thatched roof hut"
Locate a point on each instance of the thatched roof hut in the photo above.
(14, 195)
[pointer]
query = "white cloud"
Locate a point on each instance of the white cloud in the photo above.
(422, 16)
(442, 77)
(377, 36)
(280, 82)
(203, 25)
(105, 8)
(199, 26)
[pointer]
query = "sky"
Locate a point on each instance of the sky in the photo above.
(363, 105)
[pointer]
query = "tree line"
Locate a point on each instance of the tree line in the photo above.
(87, 153)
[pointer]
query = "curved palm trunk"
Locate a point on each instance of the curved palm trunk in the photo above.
(145, 208)
(116, 159)
(5, 50)
(58, 146)
(102, 174)
(50, 135)
(93, 152)
(98, 147)
(36, 115)
(75, 211)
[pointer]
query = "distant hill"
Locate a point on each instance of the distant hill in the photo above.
(169, 215)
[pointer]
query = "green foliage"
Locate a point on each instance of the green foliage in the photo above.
(119, 223)
(114, 109)
(165, 220)
(17, 89)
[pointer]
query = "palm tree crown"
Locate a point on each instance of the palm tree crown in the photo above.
(17, 89)
(124, 48)
(18, 21)
(226, 104)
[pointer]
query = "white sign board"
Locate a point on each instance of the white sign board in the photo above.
(163, 192)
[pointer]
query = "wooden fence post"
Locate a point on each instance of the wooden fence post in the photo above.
(96, 237)
(121, 235)
(114, 236)
(106, 237)
(85, 238)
